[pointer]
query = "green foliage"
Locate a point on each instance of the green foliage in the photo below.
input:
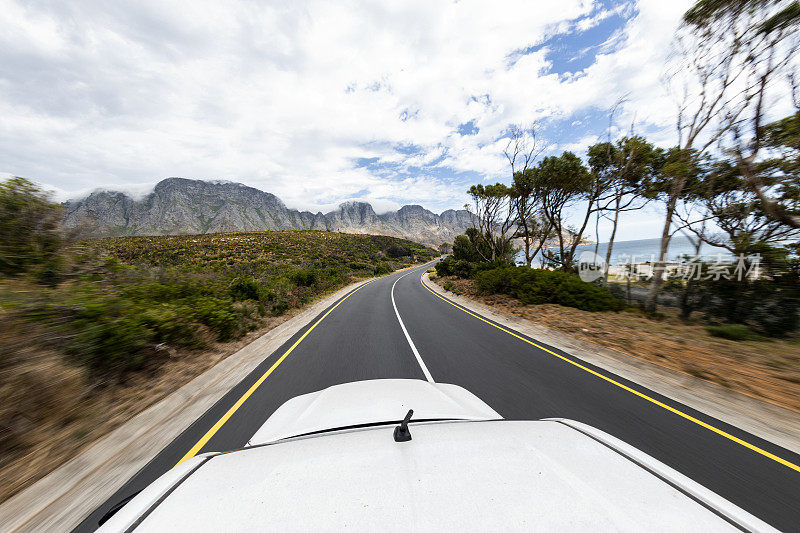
(244, 289)
(219, 315)
(30, 237)
(448, 285)
(396, 251)
(382, 269)
(768, 304)
(279, 308)
(475, 248)
(444, 267)
(535, 286)
(110, 343)
(135, 296)
(304, 277)
(462, 269)
(734, 332)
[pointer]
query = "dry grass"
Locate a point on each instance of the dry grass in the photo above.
(70, 411)
(768, 369)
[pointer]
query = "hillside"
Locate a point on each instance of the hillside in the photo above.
(181, 206)
(131, 319)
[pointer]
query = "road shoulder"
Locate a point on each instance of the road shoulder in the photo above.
(60, 500)
(772, 423)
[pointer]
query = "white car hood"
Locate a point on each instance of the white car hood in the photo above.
(452, 476)
(371, 402)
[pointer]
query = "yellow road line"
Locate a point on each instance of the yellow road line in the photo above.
(210, 433)
(716, 430)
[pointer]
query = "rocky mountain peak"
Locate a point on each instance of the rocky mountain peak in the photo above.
(185, 206)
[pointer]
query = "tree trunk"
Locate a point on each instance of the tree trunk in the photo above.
(611, 242)
(686, 304)
(597, 233)
(651, 303)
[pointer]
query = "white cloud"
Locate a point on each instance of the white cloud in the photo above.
(287, 97)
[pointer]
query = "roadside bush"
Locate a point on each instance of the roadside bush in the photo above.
(110, 343)
(734, 332)
(534, 286)
(279, 308)
(169, 326)
(448, 286)
(30, 233)
(444, 267)
(382, 269)
(462, 268)
(768, 305)
(218, 314)
(304, 277)
(396, 251)
(244, 289)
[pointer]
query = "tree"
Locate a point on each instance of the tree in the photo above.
(624, 167)
(678, 169)
(492, 218)
(561, 182)
(744, 227)
(730, 51)
(445, 248)
(475, 248)
(521, 153)
(758, 40)
(776, 181)
(30, 229)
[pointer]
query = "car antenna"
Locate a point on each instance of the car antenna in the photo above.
(401, 432)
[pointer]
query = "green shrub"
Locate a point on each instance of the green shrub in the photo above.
(444, 267)
(535, 286)
(382, 269)
(30, 236)
(448, 285)
(304, 277)
(219, 315)
(734, 332)
(279, 308)
(396, 250)
(462, 268)
(110, 343)
(169, 325)
(244, 289)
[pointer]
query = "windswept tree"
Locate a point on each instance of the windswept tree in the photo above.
(776, 179)
(731, 54)
(532, 227)
(492, 218)
(624, 167)
(741, 225)
(763, 38)
(562, 182)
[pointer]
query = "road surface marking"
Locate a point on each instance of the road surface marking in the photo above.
(689, 417)
(210, 433)
(408, 337)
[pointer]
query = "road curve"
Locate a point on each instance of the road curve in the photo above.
(394, 327)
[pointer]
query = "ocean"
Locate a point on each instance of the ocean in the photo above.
(643, 250)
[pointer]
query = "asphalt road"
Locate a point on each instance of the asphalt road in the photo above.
(363, 339)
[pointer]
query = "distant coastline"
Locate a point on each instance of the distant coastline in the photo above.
(643, 250)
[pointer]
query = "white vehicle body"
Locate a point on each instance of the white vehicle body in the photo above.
(464, 468)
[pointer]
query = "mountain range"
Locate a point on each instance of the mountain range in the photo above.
(185, 206)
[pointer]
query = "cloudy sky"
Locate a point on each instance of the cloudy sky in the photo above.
(320, 102)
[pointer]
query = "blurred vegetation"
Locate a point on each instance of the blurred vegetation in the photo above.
(115, 305)
(30, 237)
(734, 332)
